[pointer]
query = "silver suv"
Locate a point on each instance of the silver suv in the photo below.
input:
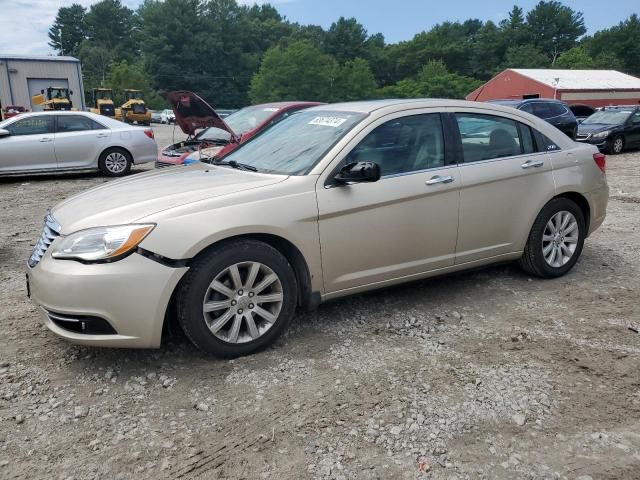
(334, 200)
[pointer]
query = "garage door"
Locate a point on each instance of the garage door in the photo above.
(37, 84)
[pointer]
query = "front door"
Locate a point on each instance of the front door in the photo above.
(633, 135)
(79, 141)
(504, 183)
(404, 224)
(29, 145)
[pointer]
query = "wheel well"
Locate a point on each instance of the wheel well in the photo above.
(582, 202)
(117, 148)
(285, 247)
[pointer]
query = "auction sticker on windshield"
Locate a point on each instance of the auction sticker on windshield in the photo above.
(328, 121)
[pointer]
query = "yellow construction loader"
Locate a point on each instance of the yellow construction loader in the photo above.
(54, 98)
(103, 102)
(134, 109)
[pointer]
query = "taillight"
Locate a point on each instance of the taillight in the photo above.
(601, 161)
(149, 133)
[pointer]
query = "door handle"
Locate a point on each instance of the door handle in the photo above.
(533, 164)
(102, 135)
(45, 139)
(438, 179)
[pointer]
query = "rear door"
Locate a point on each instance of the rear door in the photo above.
(633, 137)
(504, 182)
(30, 145)
(79, 141)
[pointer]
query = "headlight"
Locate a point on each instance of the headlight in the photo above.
(102, 243)
(602, 134)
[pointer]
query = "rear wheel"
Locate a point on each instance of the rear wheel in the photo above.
(556, 239)
(237, 299)
(115, 162)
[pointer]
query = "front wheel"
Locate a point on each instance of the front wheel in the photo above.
(115, 162)
(237, 299)
(617, 145)
(556, 239)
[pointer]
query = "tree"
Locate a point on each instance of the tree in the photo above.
(123, 75)
(433, 81)
(346, 39)
(618, 46)
(525, 56)
(554, 28)
(68, 30)
(299, 71)
(354, 81)
(575, 59)
(111, 25)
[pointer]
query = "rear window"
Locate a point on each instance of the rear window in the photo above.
(485, 137)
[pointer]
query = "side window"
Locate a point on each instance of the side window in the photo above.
(36, 125)
(527, 107)
(542, 110)
(557, 109)
(98, 126)
(485, 137)
(74, 123)
(635, 118)
(403, 145)
(527, 139)
(544, 143)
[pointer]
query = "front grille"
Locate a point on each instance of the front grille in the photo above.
(160, 164)
(582, 136)
(50, 231)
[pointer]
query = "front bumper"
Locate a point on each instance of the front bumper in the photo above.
(601, 143)
(132, 295)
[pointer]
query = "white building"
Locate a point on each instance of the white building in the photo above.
(23, 76)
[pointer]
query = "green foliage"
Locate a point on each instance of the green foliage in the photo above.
(233, 53)
(575, 59)
(619, 45)
(68, 30)
(299, 71)
(525, 56)
(554, 28)
(123, 75)
(433, 81)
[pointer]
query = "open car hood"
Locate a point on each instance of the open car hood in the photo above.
(193, 113)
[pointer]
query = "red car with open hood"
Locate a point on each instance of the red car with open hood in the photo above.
(216, 137)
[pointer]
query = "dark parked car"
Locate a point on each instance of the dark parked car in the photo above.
(612, 129)
(555, 112)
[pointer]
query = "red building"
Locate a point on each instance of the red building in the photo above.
(596, 88)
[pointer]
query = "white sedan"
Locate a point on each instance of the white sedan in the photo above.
(64, 141)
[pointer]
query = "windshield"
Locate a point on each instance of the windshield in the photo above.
(249, 118)
(133, 95)
(103, 94)
(213, 133)
(296, 144)
(58, 93)
(608, 117)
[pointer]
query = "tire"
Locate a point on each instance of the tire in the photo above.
(115, 162)
(227, 331)
(617, 145)
(538, 258)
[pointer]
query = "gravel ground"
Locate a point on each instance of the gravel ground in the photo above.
(486, 374)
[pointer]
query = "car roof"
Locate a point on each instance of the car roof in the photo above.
(284, 105)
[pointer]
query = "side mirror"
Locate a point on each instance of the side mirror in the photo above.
(4, 133)
(70, 92)
(358, 172)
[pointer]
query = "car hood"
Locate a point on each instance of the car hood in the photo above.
(141, 195)
(193, 113)
(595, 127)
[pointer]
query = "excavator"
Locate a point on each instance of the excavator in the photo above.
(54, 98)
(103, 102)
(134, 109)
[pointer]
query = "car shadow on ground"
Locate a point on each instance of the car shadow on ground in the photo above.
(54, 176)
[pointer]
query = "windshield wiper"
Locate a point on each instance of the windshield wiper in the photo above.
(234, 164)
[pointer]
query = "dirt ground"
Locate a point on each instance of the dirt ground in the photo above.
(489, 374)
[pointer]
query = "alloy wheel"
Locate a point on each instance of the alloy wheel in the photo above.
(115, 162)
(618, 144)
(243, 302)
(560, 239)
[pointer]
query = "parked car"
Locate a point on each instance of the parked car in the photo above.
(334, 200)
(63, 141)
(12, 110)
(156, 116)
(582, 112)
(612, 129)
(225, 113)
(218, 137)
(167, 116)
(555, 112)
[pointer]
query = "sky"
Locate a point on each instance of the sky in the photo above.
(24, 23)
